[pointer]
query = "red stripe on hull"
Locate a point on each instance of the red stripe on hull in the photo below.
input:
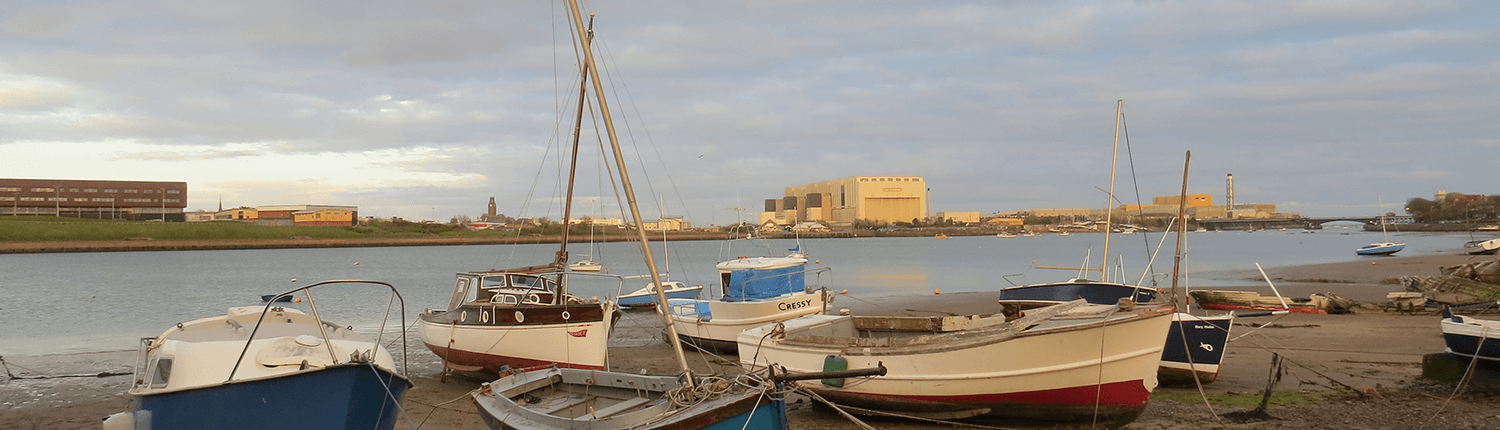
(1118, 402)
(493, 362)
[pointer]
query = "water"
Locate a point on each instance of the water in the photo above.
(81, 302)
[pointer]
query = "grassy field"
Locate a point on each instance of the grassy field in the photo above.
(42, 229)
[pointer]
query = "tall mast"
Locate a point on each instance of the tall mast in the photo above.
(1181, 227)
(1109, 205)
(561, 260)
(635, 209)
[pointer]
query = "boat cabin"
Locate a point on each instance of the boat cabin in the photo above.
(503, 288)
(760, 278)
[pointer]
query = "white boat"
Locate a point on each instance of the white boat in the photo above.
(517, 318)
(585, 265)
(1482, 247)
(646, 296)
(756, 291)
(554, 398)
(1005, 235)
(1070, 362)
(259, 367)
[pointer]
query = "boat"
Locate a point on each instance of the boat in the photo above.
(269, 366)
(1069, 362)
(1005, 235)
(1482, 247)
(556, 397)
(279, 298)
(646, 296)
(1063, 233)
(585, 265)
(756, 291)
(940, 236)
(1316, 303)
(1195, 344)
(1381, 248)
(1471, 337)
(522, 317)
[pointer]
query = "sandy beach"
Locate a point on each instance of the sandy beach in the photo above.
(1353, 371)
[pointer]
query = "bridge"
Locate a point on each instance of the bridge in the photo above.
(1305, 223)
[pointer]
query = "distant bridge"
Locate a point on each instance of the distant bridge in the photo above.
(1307, 223)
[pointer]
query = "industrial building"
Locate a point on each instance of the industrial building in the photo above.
(874, 198)
(77, 198)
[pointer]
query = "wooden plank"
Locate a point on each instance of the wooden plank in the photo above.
(621, 407)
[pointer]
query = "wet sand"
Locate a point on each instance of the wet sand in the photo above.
(1372, 352)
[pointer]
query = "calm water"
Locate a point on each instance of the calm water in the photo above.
(60, 303)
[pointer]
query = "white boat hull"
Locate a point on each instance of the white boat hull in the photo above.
(1058, 370)
(471, 347)
(728, 319)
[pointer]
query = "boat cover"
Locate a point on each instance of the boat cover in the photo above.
(760, 284)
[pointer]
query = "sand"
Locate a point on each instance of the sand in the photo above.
(1371, 352)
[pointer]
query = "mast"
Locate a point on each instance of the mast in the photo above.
(1109, 204)
(1181, 227)
(635, 209)
(561, 261)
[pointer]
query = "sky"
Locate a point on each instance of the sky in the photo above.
(426, 110)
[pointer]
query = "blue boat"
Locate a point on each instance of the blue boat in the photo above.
(1383, 248)
(646, 296)
(274, 297)
(1471, 337)
(266, 367)
(578, 399)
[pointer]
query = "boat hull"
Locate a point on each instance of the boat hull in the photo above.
(1106, 367)
(719, 327)
(1482, 247)
(1471, 337)
(496, 337)
(648, 298)
(583, 400)
(1194, 348)
(1380, 249)
(349, 396)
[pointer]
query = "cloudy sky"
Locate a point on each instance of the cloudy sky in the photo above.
(425, 110)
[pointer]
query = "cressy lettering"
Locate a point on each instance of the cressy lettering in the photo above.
(793, 305)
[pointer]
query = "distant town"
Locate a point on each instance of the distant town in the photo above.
(852, 203)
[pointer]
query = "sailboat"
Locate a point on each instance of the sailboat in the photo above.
(1381, 248)
(588, 264)
(1195, 344)
(552, 397)
(502, 319)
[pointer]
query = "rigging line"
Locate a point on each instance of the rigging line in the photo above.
(1136, 183)
(1468, 374)
(652, 141)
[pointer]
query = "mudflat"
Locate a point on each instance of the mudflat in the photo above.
(1345, 371)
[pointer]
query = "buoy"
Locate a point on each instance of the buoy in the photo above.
(935, 291)
(817, 262)
(1372, 263)
(93, 297)
(845, 292)
(294, 279)
(298, 300)
(356, 263)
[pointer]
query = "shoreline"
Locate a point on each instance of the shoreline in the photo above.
(1376, 353)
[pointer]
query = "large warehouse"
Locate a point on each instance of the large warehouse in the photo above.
(123, 200)
(875, 198)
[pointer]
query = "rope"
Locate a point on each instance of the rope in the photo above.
(1462, 382)
(76, 375)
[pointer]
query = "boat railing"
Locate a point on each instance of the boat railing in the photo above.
(394, 300)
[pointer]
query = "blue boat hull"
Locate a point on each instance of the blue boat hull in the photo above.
(1204, 345)
(650, 299)
(352, 396)
(1379, 250)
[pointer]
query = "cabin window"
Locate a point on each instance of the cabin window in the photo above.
(161, 372)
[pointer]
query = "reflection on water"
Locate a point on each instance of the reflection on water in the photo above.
(55, 303)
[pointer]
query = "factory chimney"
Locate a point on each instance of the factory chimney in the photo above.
(1229, 193)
